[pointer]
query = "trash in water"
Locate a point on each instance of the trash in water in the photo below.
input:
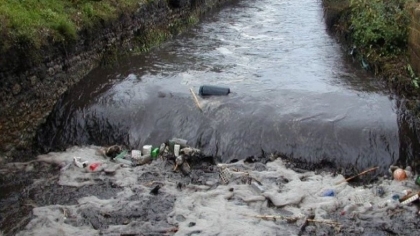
(94, 166)
(120, 158)
(190, 151)
(208, 90)
(399, 174)
(147, 150)
(176, 149)
(365, 65)
(135, 154)
(121, 155)
(113, 151)
(181, 142)
(123, 161)
(225, 176)
(354, 176)
(328, 193)
(269, 199)
(110, 170)
(162, 148)
(197, 103)
(155, 153)
(79, 163)
(143, 160)
(178, 161)
(409, 199)
(418, 180)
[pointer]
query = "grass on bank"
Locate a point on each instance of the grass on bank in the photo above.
(36, 21)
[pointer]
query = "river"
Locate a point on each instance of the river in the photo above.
(294, 91)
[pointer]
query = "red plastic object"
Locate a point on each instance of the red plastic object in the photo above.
(94, 166)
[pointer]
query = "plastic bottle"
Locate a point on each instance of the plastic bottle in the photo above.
(181, 142)
(121, 155)
(123, 161)
(176, 149)
(207, 90)
(155, 153)
(120, 158)
(418, 180)
(328, 193)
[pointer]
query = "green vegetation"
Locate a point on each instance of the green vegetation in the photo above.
(37, 21)
(27, 25)
(378, 30)
(151, 38)
(180, 25)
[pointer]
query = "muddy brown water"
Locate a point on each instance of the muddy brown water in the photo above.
(295, 91)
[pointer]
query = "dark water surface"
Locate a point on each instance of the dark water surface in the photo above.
(294, 91)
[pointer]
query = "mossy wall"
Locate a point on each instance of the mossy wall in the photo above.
(33, 78)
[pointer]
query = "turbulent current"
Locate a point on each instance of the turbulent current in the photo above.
(295, 93)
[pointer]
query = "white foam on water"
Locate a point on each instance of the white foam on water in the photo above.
(209, 208)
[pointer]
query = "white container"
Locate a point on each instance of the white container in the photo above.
(176, 149)
(136, 154)
(147, 149)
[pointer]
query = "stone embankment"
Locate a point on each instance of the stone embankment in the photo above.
(32, 80)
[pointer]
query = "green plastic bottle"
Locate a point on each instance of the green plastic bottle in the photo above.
(155, 153)
(418, 180)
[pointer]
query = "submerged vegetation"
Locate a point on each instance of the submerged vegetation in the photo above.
(378, 32)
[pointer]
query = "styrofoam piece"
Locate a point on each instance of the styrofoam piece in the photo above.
(136, 154)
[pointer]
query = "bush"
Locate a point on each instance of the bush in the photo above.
(380, 27)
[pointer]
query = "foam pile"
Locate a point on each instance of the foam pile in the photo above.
(227, 199)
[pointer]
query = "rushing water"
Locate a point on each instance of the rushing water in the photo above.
(294, 91)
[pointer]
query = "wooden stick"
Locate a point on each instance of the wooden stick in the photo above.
(329, 222)
(196, 100)
(361, 173)
(271, 217)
